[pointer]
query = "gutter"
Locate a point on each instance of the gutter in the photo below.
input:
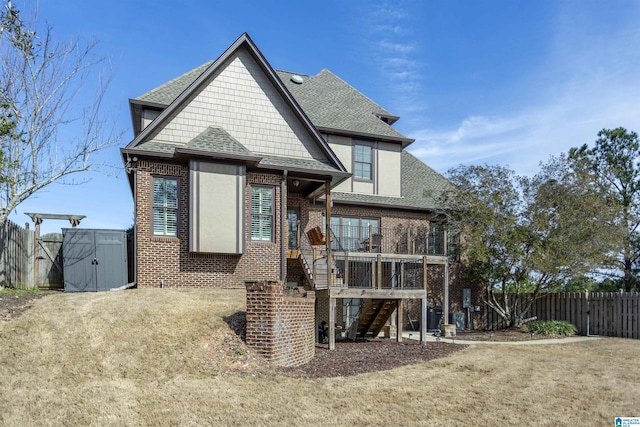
(283, 201)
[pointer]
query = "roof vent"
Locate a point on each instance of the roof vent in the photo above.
(297, 79)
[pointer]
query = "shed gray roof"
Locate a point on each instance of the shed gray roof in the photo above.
(421, 188)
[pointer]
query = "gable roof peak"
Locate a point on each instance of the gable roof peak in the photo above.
(198, 81)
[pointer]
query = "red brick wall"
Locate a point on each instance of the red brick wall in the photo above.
(280, 327)
(168, 260)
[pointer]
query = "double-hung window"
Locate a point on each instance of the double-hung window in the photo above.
(165, 206)
(262, 213)
(363, 162)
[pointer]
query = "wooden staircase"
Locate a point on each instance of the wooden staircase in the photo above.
(314, 263)
(374, 315)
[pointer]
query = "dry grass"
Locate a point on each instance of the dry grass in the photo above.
(165, 357)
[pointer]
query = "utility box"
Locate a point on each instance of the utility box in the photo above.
(466, 298)
(94, 260)
(457, 318)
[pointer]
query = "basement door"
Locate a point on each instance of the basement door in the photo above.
(94, 260)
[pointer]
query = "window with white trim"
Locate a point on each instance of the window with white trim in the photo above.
(363, 162)
(165, 206)
(262, 214)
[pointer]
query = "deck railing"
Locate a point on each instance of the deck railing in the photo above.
(379, 272)
(404, 240)
(371, 257)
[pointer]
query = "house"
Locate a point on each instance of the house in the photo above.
(236, 167)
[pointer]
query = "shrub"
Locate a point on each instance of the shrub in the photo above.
(550, 328)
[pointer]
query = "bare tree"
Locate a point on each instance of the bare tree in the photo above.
(43, 101)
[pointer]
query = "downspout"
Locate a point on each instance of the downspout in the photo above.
(132, 167)
(135, 222)
(283, 216)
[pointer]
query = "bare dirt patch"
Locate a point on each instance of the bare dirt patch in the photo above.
(14, 303)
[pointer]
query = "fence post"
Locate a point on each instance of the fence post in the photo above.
(586, 312)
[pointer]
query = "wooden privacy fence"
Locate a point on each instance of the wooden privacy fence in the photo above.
(17, 261)
(612, 314)
(16, 256)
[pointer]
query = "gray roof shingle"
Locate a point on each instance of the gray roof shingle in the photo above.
(327, 100)
(170, 90)
(330, 102)
(291, 162)
(217, 140)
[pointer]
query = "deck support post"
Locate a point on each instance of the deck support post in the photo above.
(332, 322)
(345, 281)
(423, 320)
(399, 320)
(445, 308)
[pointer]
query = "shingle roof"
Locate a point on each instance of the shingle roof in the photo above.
(291, 162)
(169, 91)
(217, 140)
(421, 188)
(330, 102)
(327, 100)
(214, 140)
(157, 147)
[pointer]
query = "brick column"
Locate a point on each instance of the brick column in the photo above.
(280, 327)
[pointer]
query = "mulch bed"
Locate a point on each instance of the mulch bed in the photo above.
(353, 358)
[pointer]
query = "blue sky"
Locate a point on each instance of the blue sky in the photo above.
(497, 82)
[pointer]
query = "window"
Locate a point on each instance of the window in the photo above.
(351, 233)
(363, 162)
(293, 219)
(436, 241)
(165, 206)
(262, 213)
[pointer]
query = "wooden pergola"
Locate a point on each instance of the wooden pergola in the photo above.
(37, 219)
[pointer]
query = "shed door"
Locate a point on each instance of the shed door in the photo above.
(79, 271)
(111, 259)
(94, 260)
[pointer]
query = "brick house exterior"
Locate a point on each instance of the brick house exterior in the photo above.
(234, 163)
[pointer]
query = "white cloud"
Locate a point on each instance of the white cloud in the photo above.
(395, 53)
(589, 81)
(389, 46)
